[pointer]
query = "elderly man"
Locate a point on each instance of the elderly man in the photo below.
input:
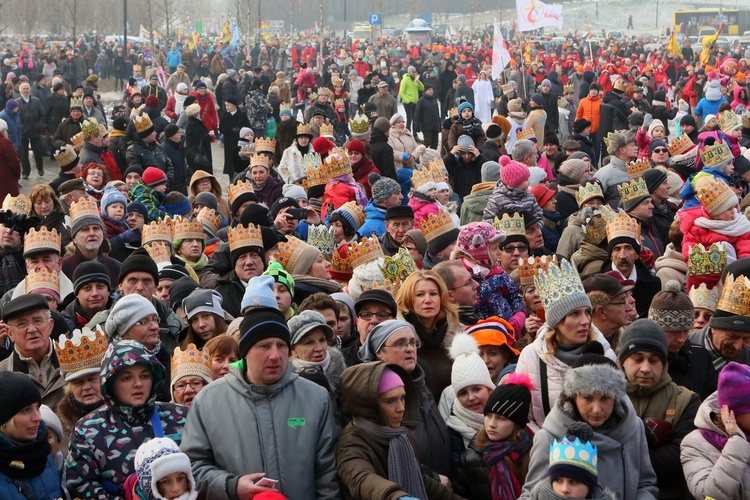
(30, 324)
(385, 102)
(247, 255)
(372, 308)
(70, 126)
(31, 111)
(177, 77)
(398, 220)
(462, 290)
(88, 238)
(70, 192)
(612, 305)
(91, 287)
(280, 411)
(622, 149)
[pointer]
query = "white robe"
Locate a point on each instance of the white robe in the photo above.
(483, 99)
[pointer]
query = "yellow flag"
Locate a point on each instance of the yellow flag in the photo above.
(674, 47)
(226, 33)
(708, 45)
(527, 53)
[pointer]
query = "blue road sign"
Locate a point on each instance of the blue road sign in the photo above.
(374, 18)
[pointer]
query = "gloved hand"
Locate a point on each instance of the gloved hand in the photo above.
(131, 236)
(647, 119)
(658, 431)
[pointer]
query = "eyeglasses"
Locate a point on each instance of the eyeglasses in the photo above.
(367, 315)
(195, 384)
(661, 150)
(468, 283)
(403, 344)
(24, 325)
(511, 249)
(148, 320)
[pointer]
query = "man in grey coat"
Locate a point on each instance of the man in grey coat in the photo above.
(262, 420)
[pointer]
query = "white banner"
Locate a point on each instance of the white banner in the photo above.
(533, 14)
(500, 54)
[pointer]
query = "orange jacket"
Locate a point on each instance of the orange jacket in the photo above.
(589, 108)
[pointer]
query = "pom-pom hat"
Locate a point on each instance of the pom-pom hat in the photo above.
(468, 367)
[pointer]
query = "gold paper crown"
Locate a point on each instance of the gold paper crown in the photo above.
(17, 204)
(245, 236)
(714, 195)
(716, 154)
(241, 187)
(557, 282)
(160, 251)
(387, 285)
(289, 252)
(437, 225)
(511, 224)
(568, 88)
(746, 119)
(83, 208)
(508, 87)
(595, 229)
(680, 145)
(81, 354)
(266, 146)
(355, 211)
(66, 155)
(439, 172)
(321, 237)
(77, 141)
(247, 152)
(90, 128)
(531, 267)
(315, 171)
(337, 163)
(702, 262)
(607, 138)
(159, 230)
(638, 167)
(453, 112)
(337, 81)
(729, 121)
(326, 130)
(420, 177)
(702, 296)
(304, 128)
(588, 191)
(103, 130)
(285, 107)
(364, 251)
(185, 229)
(76, 102)
(42, 239)
(258, 160)
(191, 361)
(397, 268)
(624, 226)
(525, 133)
(632, 190)
(42, 279)
(143, 123)
(338, 102)
(360, 124)
(211, 217)
(735, 296)
(339, 264)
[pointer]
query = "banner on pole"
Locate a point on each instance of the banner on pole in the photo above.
(533, 14)
(500, 54)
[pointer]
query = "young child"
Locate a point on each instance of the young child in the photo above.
(682, 110)
(466, 124)
(510, 194)
(341, 188)
(650, 130)
(112, 209)
(341, 122)
(500, 451)
(150, 191)
(572, 468)
(283, 288)
(163, 472)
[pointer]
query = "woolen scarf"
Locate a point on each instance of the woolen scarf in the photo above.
(717, 440)
(403, 468)
(465, 422)
(82, 409)
(503, 481)
(738, 226)
(29, 458)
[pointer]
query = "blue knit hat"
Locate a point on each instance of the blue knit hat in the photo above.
(259, 293)
(112, 195)
(464, 105)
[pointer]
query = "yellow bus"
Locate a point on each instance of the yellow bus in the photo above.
(692, 21)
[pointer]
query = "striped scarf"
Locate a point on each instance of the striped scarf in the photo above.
(503, 481)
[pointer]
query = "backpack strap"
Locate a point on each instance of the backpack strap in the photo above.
(544, 388)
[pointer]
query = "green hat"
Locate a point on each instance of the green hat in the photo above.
(280, 275)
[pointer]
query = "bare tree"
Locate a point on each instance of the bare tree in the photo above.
(168, 12)
(70, 19)
(28, 15)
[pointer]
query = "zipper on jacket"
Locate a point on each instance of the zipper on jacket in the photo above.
(624, 476)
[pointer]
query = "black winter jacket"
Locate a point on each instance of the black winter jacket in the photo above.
(381, 154)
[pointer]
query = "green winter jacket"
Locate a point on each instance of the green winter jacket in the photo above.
(409, 90)
(149, 197)
(472, 209)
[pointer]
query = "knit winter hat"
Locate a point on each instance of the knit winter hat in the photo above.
(378, 336)
(653, 125)
(305, 322)
(383, 187)
(280, 275)
(574, 456)
(473, 242)
(654, 178)
(181, 288)
(732, 388)
(542, 194)
(513, 173)
(418, 238)
(112, 195)
(465, 141)
(201, 300)
(259, 293)
(395, 118)
(260, 324)
(322, 146)
(493, 132)
(91, 271)
(172, 272)
(643, 335)
(156, 459)
(573, 169)
(468, 367)
(537, 99)
(18, 392)
(207, 199)
(356, 145)
(512, 398)
(126, 312)
(490, 171)
(138, 261)
(672, 309)
(546, 83)
(494, 331)
(153, 177)
(293, 191)
(537, 176)
(389, 380)
(52, 421)
(441, 242)
(657, 143)
(464, 105)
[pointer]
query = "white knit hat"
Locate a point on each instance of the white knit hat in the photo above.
(51, 421)
(468, 367)
(156, 459)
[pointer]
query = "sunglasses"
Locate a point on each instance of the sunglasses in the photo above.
(661, 150)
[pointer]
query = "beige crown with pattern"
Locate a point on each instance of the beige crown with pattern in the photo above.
(42, 239)
(704, 297)
(315, 171)
(77, 141)
(680, 145)
(43, 278)
(66, 155)
(265, 146)
(530, 267)
(716, 154)
(160, 230)
(160, 251)
(337, 163)
(364, 251)
(191, 361)
(186, 229)
(210, 217)
(525, 133)
(142, 123)
(588, 191)
(624, 226)
(637, 168)
(360, 124)
(17, 204)
(716, 195)
(83, 208)
(82, 353)
(304, 128)
(632, 190)
(735, 296)
(437, 225)
(704, 261)
(326, 130)
(241, 187)
(511, 224)
(245, 236)
(729, 121)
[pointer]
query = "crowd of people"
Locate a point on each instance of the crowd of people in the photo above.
(418, 282)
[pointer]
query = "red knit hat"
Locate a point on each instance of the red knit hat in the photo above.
(154, 176)
(356, 145)
(322, 146)
(513, 173)
(542, 194)
(152, 101)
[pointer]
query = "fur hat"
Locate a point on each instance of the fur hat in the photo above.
(468, 367)
(604, 379)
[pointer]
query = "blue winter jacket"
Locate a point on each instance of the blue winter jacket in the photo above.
(14, 127)
(374, 221)
(45, 485)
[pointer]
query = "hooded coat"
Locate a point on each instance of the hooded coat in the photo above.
(215, 189)
(287, 432)
(103, 444)
(374, 221)
(362, 461)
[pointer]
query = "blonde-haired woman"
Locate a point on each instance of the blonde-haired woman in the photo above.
(561, 340)
(45, 204)
(423, 302)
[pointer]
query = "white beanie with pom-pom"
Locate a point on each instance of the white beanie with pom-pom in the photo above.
(468, 367)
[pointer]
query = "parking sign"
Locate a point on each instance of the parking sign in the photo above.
(374, 19)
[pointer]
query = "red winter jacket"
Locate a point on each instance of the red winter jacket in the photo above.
(694, 234)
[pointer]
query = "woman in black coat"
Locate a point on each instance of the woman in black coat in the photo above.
(229, 125)
(197, 143)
